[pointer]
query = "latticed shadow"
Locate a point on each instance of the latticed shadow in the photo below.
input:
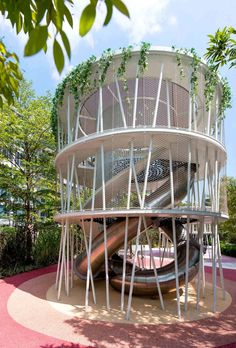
(69, 345)
(208, 333)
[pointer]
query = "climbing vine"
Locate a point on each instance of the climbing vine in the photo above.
(143, 58)
(195, 63)
(226, 98)
(125, 57)
(103, 64)
(179, 61)
(211, 80)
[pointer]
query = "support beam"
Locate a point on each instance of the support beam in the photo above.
(126, 226)
(158, 97)
(187, 265)
(174, 233)
(104, 227)
(121, 104)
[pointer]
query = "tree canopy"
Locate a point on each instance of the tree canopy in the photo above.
(10, 75)
(44, 20)
(27, 150)
(228, 228)
(222, 48)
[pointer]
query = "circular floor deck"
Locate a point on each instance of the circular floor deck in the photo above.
(32, 317)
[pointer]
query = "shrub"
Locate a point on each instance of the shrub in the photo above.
(12, 246)
(46, 246)
(228, 249)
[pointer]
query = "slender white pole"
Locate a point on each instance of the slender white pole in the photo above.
(67, 257)
(205, 180)
(126, 227)
(158, 97)
(135, 101)
(67, 201)
(203, 269)
(174, 233)
(124, 263)
(133, 269)
(78, 190)
(198, 180)
(68, 121)
(194, 114)
(101, 108)
(189, 173)
(200, 272)
(87, 252)
(58, 134)
(70, 182)
(168, 104)
(121, 104)
(214, 267)
(59, 258)
(216, 118)
(77, 123)
(62, 261)
(190, 113)
(154, 264)
(104, 226)
(187, 265)
(147, 171)
(164, 250)
(209, 121)
(220, 265)
(89, 264)
(72, 257)
(89, 269)
(61, 190)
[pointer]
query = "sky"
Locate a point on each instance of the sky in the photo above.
(182, 23)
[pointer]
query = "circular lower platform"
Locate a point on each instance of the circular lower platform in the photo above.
(33, 309)
(144, 311)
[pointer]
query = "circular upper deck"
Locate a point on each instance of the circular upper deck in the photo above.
(158, 90)
(159, 87)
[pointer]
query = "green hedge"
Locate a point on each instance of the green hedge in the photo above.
(45, 248)
(228, 249)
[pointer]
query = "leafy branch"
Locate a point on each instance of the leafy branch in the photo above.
(43, 20)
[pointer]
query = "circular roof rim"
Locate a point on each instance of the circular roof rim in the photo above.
(165, 49)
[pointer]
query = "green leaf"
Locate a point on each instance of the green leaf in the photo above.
(109, 11)
(87, 19)
(68, 16)
(121, 7)
(58, 56)
(19, 24)
(66, 43)
(37, 40)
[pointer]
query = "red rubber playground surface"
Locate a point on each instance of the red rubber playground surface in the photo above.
(218, 330)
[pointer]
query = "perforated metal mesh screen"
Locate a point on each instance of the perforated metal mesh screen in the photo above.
(173, 103)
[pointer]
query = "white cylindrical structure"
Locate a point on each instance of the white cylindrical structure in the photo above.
(141, 148)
